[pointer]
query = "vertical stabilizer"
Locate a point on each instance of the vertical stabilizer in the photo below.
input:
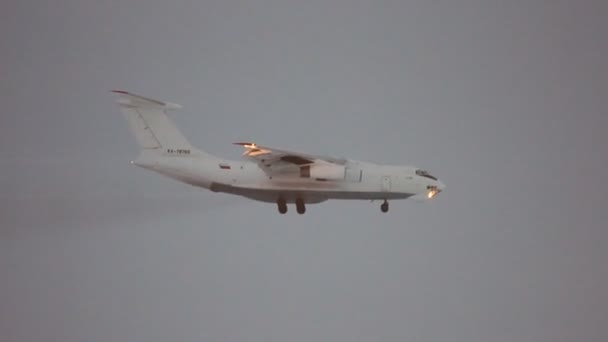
(150, 124)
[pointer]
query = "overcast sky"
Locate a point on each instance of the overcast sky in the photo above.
(505, 101)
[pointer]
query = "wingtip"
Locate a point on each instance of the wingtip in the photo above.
(119, 91)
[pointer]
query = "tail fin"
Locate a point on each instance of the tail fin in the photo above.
(149, 122)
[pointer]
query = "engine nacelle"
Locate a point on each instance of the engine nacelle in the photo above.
(323, 171)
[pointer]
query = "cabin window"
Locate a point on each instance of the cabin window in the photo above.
(424, 173)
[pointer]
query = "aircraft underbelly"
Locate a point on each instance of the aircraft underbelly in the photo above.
(310, 195)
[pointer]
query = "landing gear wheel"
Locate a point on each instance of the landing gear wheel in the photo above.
(300, 206)
(282, 206)
(384, 206)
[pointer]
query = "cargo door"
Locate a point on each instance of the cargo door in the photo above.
(386, 183)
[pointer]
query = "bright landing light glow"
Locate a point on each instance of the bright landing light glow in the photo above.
(431, 194)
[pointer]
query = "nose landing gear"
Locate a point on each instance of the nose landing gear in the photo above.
(384, 206)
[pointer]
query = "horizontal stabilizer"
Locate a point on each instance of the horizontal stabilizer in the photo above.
(133, 100)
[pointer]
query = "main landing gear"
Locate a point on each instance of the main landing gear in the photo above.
(384, 206)
(282, 205)
(300, 206)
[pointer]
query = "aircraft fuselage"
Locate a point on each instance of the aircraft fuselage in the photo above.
(370, 181)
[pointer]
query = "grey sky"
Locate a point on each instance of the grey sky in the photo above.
(503, 100)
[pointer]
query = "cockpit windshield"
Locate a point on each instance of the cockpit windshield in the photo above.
(425, 173)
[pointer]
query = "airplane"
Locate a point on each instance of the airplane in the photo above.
(268, 174)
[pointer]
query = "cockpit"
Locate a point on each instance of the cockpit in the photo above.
(424, 173)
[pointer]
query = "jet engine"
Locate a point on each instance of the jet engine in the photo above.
(323, 171)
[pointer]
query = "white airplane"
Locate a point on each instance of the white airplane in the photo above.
(272, 175)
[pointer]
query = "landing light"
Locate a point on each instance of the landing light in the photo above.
(431, 194)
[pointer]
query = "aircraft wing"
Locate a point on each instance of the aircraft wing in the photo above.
(274, 161)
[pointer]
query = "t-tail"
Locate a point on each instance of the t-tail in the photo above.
(154, 131)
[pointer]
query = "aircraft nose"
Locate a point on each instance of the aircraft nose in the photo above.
(440, 185)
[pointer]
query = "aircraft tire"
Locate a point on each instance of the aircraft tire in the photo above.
(300, 206)
(282, 205)
(384, 207)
